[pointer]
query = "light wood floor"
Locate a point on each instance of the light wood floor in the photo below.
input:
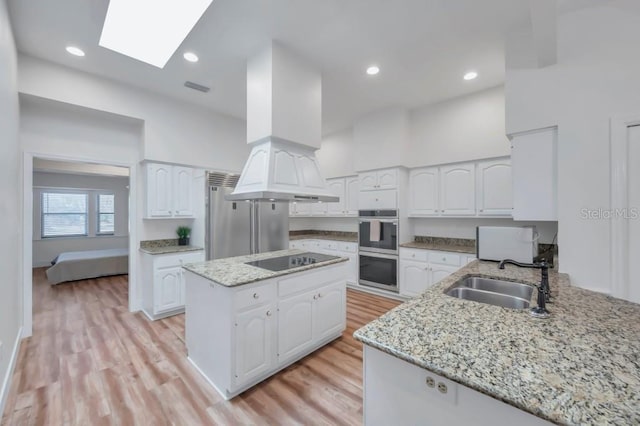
(91, 362)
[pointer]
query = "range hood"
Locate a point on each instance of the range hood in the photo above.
(284, 101)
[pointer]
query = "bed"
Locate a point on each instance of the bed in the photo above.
(80, 265)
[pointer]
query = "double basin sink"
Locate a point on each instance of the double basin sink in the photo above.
(507, 294)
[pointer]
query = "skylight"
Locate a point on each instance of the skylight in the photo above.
(150, 30)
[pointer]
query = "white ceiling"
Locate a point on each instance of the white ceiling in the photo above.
(423, 48)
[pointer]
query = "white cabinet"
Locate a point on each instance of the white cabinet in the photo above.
(495, 192)
(239, 336)
(457, 190)
(379, 179)
(337, 188)
(169, 191)
(378, 200)
(423, 192)
(333, 248)
(319, 209)
(396, 392)
(352, 188)
(300, 209)
(480, 188)
(414, 277)
(163, 287)
(534, 170)
(255, 336)
(420, 269)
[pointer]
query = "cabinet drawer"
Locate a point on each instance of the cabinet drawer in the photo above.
(329, 245)
(255, 296)
(178, 259)
(417, 255)
(348, 247)
(312, 279)
(442, 258)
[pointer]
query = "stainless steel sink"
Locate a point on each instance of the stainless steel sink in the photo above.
(507, 294)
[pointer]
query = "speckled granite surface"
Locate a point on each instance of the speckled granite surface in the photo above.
(349, 237)
(165, 247)
(233, 271)
(580, 367)
(456, 245)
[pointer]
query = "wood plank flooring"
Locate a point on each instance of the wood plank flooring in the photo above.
(91, 362)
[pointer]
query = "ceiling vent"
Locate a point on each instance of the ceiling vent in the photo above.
(196, 86)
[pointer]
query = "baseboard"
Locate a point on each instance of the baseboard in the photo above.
(383, 293)
(6, 383)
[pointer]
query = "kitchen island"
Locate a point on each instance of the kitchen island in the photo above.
(444, 360)
(244, 322)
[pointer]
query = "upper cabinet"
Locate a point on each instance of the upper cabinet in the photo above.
(169, 191)
(495, 193)
(424, 185)
(344, 188)
(457, 190)
(480, 188)
(534, 160)
(379, 179)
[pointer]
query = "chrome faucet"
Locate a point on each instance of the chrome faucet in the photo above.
(544, 290)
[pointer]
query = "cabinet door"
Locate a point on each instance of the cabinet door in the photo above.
(423, 192)
(414, 277)
(440, 272)
(388, 179)
(295, 325)
(319, 209)
(495, 193)
(352, 267)
(368, 181)
(159, 190)
(182, 192)
(255, 337)
(329, 314)
(301, 209)
(351, 195)
(458, 190)
(377, 200)
(168, 289)
(337, 188)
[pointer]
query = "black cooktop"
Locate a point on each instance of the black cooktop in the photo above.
(283, 263)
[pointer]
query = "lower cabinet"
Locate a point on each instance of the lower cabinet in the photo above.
(400, 393)
(333, 248)
(239, 336)
(420, 269)
(255, 336)
(163, 287)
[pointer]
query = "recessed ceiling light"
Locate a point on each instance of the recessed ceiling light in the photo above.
(190, 56)
(150, 30)
(470, 75)
(76, 51)
(373, 70)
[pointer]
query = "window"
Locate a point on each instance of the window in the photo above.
(64, 214)
(106, 214)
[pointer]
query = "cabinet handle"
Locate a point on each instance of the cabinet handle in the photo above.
(256, 295)
(444, 259)
(268, 313)
(319, 295)
(481, 210)
(315, 297)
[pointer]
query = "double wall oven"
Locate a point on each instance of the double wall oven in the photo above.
(378, 249)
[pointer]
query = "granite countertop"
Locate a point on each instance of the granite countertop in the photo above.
(440, 247)
(169, 249)
(579, 367)
(233, 271)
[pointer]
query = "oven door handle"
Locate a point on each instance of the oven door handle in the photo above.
(394, 221)
(378, 255)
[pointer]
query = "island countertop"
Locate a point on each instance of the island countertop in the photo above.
(234, 271)
(579, 367)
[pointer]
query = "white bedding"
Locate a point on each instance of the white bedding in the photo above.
(80, 265)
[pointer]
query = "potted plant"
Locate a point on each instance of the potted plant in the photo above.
(183, 235)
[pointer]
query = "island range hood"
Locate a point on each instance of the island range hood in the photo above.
(284, 107)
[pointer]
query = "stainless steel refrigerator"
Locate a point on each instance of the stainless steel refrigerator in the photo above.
(236, 228)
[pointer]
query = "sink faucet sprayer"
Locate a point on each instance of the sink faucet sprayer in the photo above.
(544, 291)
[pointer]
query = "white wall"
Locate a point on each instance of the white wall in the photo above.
(336, 157)
(381, 139)
(465, 128)
(596, 77)
(45, 249)
(174, 131)
(11, 206)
